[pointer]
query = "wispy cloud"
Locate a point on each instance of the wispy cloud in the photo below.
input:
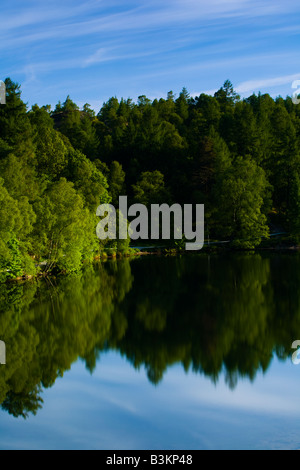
(98, 56)
(153, 45)
(259, 84)
(252, 86)
(86, 19)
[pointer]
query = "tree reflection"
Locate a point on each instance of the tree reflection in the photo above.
(214, 315)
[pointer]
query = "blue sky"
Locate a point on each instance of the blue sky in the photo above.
(96, 49)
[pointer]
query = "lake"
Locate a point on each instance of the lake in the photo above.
(159, 353)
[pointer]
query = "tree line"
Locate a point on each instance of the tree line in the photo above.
(239, 157)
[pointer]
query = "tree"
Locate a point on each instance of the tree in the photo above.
(15, 128)
(182, 104)
(116, 182)
(242, 196)
(284, 162)
(226, 95)
(20, 179)
(78, 126)
(65, 233)
(150, 189)
(88, 180)
(16, 223)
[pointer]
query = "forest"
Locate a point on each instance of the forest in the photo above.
(238, 157)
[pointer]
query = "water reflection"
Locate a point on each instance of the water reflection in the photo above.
(214, 315)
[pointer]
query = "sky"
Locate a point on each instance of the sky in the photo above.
(95, 49)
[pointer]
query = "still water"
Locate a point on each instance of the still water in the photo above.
(189, 352)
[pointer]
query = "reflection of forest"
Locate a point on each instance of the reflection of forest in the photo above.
(212, 314)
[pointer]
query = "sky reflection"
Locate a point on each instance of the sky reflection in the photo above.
(117, 408)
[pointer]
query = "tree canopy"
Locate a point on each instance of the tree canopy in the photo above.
(238, 157)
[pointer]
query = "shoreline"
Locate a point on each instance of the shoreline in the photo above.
(165, 252)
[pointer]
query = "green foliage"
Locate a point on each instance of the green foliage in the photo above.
(77, 126)
(241, 194)
(65, 230)
(20, 179)
(240, 158)
(53, 154)
(88, 180)
(226, 95)
(16, 223)
(14, 265)
(150, 189)
(15, 129)
(294, 211)
(116, 182)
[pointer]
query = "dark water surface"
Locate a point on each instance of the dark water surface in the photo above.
(154, 353)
